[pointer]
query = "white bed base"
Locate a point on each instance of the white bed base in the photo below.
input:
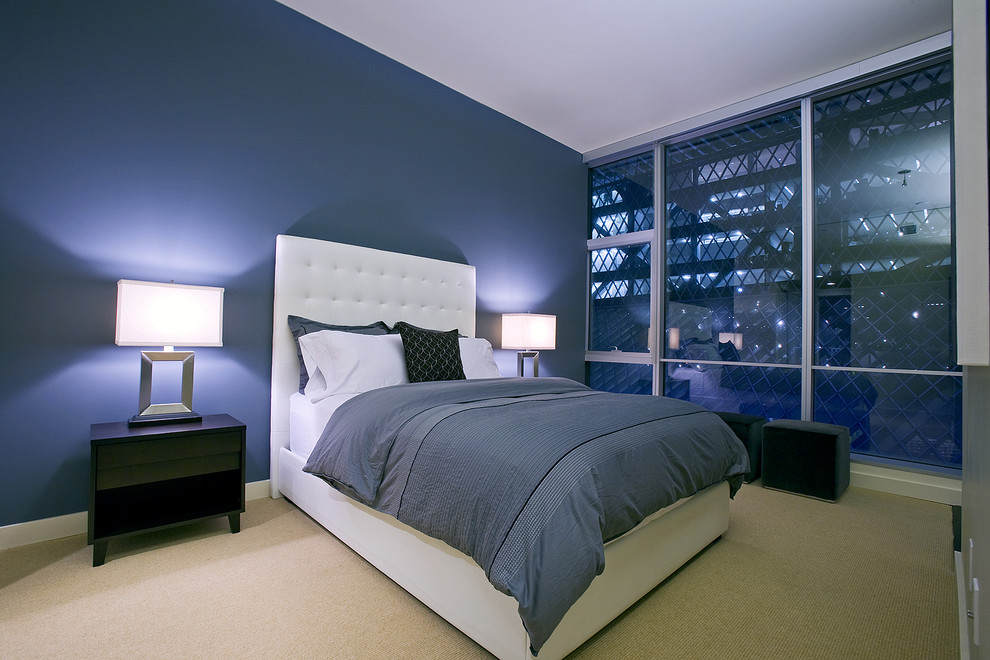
(339, 283)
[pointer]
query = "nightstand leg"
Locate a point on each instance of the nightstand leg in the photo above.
(100, 552)
(235, 522)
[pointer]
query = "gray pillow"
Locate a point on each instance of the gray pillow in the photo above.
(299, 326)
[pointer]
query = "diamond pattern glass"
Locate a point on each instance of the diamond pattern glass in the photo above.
(883, 267)
(882, 353)
(771, 392)
(620, 299)
(622, 197)
(883, 230)
(621, 378)
(914, 418)
(733, 244)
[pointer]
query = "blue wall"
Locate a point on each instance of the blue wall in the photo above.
(172, 140)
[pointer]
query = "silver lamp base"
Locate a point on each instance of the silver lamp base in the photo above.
(165, 413)
(520, 358)
(164, 418)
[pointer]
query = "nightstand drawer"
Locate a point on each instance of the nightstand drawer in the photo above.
(138, 473)
(153, 450)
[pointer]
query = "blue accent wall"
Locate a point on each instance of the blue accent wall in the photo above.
(172, 140)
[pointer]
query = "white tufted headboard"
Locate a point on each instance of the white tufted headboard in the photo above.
(346, 284)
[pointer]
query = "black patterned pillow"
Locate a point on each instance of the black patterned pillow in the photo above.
(430, 354)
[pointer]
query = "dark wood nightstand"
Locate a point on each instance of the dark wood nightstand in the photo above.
(152, 477)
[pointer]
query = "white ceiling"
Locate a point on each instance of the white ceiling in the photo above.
(591, 73)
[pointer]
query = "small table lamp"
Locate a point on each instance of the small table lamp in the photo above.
(168, 315)
(529, 334)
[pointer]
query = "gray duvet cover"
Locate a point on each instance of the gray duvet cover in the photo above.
(528, 476)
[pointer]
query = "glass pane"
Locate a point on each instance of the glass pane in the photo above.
(620, 299)
(620, 378)
(883, 225)
(770, 392)
(733, 248)
(622, 197)
(911, 418)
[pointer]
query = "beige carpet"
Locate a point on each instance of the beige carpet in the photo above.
(868, 577)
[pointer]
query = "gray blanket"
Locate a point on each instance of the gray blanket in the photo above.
(529, 476)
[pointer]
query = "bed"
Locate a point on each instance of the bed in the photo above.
(350, 285)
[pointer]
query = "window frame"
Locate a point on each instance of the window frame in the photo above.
(916, 56)
(643, 237)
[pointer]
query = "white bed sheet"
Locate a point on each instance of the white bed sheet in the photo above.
(307, 420)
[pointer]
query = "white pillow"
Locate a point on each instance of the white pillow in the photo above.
(478, 359)
(344, 362)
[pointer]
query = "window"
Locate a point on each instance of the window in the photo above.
(806, 262)
(620, 252)
(620, 298)
(622, 197)
(733, 268)
(884, 345)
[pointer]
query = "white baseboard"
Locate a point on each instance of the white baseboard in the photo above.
(47, 529)
(920, 485)
(257, 490)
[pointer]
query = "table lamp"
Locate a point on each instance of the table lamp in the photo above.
(529, 334)
(168, 315)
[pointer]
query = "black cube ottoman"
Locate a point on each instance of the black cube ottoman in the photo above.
(749, 429)
(807, 458)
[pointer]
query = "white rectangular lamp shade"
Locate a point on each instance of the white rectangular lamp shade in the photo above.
(529, 332)
(159, 314)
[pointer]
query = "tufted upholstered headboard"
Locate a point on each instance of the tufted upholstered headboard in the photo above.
(346, 284)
